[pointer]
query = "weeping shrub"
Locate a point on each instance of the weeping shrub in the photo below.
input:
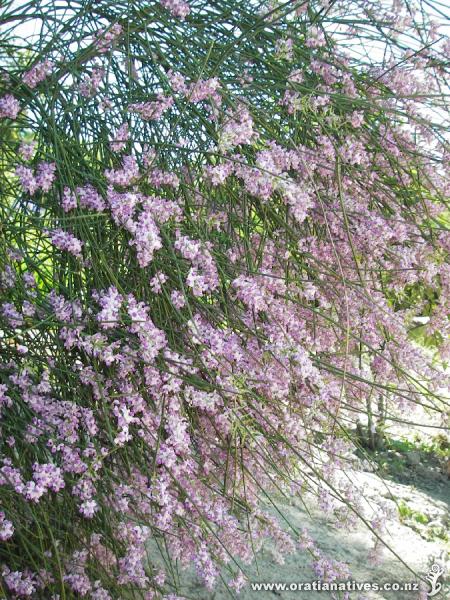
(220, 221)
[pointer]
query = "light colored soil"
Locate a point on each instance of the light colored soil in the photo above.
(418, 545)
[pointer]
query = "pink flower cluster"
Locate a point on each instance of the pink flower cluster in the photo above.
(204, 89)
(111, 303)
(26, 150)
(45, 477)
(22, 585)
(63, 240)
(146, 238)
(202, 277)
(178, 8)
(37, 73)
(237, 129)
(90, 85)
(105, 38)
(197, 91)
(126, 175)
(9, 107)
(120, 138)
(42, 179)
(246, 279)
(6, 528)
(86, 197)
(152, 111)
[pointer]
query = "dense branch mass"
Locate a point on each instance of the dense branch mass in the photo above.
(220, 222)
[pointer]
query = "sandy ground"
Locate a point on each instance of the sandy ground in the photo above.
(418, 545)
(412, 482)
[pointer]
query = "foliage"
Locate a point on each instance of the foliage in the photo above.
(219, 222)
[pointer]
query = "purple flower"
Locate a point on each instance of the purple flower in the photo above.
(37, 73)
(6, 528)
(9, 107)
(178, 8)
(63, 240)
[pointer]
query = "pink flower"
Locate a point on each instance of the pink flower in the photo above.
(48, 476)
(105, 38)
(99, 593)
(178, 299)
(88, 508)
(202, 276)
(120, 138)
(9, 107)
(237, 129)
(146, 238)
(12, 315)
(111, 302)
(315, 38)
(43, 179)
(126, 175)
(5, 400)
(45, 176)
(178, 8)
(157, 282)
(251, 293)
(33, 491)
(177, 82)
(204, 89)
(63, 240)
(160, 178)
(19, 583)
(152, 111)
(37, 73)
(6, 528)
(27, 179)
(69, 200)
(26, 150)
(90, 198)
(91, 83)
